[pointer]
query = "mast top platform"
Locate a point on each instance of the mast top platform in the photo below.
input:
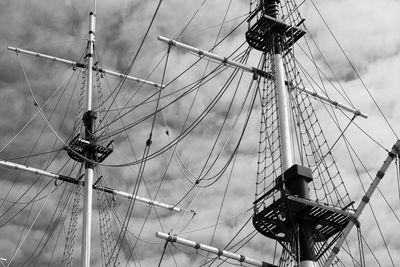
(80, 147)
(278, 220)
(262, 35)
(275, 221)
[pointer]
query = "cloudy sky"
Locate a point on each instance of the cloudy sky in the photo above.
(368, 32)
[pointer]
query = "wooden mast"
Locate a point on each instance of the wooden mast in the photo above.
(268, 36)
(305, 231)
(88, 119)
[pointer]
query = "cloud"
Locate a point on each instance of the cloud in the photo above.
(59, 28)
(366, 34)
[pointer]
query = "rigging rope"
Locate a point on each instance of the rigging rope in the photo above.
(356, 72)
(106, 231)
(163, 252)
(72, 227)
(57, 217)
(133, 152)
(30, 228)
(190, 20)
(251, 105)
(190, 67)
(398, 175)
(122, 81)
(223, 201)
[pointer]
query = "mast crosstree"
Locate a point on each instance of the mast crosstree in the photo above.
(80, 65)
(264, 74)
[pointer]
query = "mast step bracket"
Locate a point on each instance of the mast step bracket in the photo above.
(276, 221)
(260, 35)
(78, 148)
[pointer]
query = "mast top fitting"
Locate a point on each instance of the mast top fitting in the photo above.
(78, 149)
(268, 30)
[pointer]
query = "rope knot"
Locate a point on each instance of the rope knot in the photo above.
(149, 142)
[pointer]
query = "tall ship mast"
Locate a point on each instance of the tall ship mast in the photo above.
(198, 133)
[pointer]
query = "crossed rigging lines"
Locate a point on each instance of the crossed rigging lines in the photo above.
(187, 92)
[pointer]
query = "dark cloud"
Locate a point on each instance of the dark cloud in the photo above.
(60, 28)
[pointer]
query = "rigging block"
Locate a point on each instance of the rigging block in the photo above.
(261, 35)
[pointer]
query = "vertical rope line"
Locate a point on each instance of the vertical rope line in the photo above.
(122, 81)
(128, 215)
(30, 228)
(398, 174)
(162, 255)
(36, 105)
(222, 202)
(356, 72)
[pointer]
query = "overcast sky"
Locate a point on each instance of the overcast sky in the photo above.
(367, 31)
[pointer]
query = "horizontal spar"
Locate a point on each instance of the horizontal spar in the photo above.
(224, 60)
(217, 251)
(328, 100)
(78, 182)
(81, 65)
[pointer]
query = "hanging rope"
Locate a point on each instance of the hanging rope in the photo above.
(360, 246)
(30, 228)
(72, 227)
(106, 231)
(398, 175)
(163, 252)
(355, 71)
